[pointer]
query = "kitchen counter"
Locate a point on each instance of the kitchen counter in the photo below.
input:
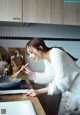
(19, 97)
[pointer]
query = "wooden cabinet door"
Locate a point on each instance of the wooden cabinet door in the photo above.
(69, 16)
(3, 10)
(43, 11)
(56, 11)
(36, 11)
(78, 14)
(29, 11)
(11, 10)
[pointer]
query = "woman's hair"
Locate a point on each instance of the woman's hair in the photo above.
(37, 43)
(61, 48)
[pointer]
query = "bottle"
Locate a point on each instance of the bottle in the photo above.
(6, 72)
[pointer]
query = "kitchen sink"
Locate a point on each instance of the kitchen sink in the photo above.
(17, 108)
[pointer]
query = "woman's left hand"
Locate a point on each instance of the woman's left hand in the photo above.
(27, 70)
(32, 92)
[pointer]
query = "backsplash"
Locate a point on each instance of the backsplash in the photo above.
(48, 39)
(71, 45)
(67, 37)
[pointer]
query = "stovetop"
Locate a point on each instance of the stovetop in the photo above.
(22, 87)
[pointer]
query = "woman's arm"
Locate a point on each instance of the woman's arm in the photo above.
(40, 77)
(33, 92)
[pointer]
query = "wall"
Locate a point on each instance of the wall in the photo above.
(47, 31)
(42, 30)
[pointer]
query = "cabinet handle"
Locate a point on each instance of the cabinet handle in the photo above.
(16, 19)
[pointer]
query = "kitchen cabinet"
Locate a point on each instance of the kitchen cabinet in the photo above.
(51, 12)
(29, 11)
(56, 12)
(11, 10)
(36, 11)
(78, 14)
(69, 16)
(40, 11)
(43, 11)
(64, 13)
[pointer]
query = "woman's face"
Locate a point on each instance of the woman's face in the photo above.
(34, 53)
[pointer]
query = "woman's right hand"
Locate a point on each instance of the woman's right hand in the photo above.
(27, 70)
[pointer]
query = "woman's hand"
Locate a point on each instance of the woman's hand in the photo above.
(32, 93)
(27, 70)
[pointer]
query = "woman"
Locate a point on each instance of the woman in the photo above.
(61, 72)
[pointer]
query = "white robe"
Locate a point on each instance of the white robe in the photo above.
(59, 73)
(63, 76)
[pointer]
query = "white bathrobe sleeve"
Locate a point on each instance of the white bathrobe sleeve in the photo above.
(45, 77)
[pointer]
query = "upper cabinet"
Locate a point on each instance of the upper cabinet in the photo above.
(11, 10)
(43, 11)
(36, 11)
(40, 11)
(56, 11)
(69, 16)
(78, 14)
(51, 12)
(64, 13)
(29, 11)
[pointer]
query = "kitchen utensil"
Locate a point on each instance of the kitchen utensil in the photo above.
(14, 64)
(6, 82)
(15, 74)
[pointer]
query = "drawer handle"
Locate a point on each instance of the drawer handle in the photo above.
(16, 19)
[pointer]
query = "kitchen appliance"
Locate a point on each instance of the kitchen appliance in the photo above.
(21, 87)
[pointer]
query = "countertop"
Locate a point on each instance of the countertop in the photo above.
(19, 97)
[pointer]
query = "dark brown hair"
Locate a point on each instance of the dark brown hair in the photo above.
(36, 43)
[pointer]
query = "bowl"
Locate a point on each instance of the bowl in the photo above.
(6, 82)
